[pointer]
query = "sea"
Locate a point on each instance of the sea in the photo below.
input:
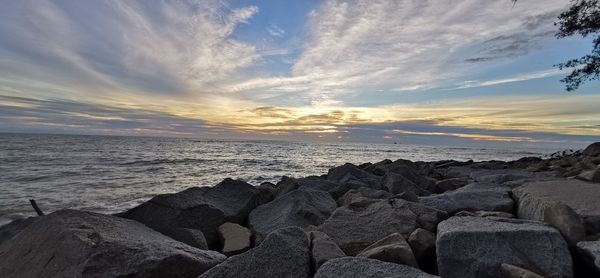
(110, 174)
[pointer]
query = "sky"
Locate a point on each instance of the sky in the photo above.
(455, 72)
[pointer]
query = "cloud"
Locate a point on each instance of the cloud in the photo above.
(275, 31)
(161, 47)
(355, 47)
(515, 78)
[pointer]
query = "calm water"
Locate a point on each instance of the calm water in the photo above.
(110, 174)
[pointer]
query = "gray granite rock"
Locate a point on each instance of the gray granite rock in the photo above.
(70, 243)
(393, 249)
(355, 228)
(201, 208)
(476, 247)
(476, 196)
(590, 175)
(283, 253)
(299, 208)
(533, 200)
(11, 229)
(234, 238)
(513, 271)
(323, 249)
(367, 268)
(355, 195)
(591, 253)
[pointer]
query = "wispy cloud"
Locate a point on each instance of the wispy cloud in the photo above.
(275, 31)
(366, 46)
(514, 78)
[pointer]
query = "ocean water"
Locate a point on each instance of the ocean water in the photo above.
(110, 174)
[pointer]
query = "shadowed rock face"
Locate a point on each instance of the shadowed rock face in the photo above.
(11, 229)
(283, 253)
(591, 253)
(72, 243)
(200, 208)
(299, 208)
(367, 268)
(476, 247)
(323, 249)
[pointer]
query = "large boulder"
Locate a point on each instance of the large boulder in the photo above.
(323, 249)
(70, 243)
(590, 250)
(354, 228)
(367, 268)
(283, 253)
(592, 150)
(201, 208)
(299, 208)
(350, 174)
(234, 238)
(476, 247)
(393, 249)
(473, 197)
(534, 200)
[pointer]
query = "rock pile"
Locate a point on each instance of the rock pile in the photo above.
(531, 217)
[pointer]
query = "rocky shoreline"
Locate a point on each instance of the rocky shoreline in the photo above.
(531, 217)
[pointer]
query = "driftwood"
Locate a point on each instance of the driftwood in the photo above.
(36, 208)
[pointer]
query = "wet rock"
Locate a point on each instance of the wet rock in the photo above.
(323, 249)
(393, 249)
(200, 208)
(299, 208)
(11, 229)
(512, 271)
(367, 268)
(283, 253)
(317, 183)
(422, 243)
(349, 173)
(235, 239)
(355, 228)
(533, 199)
(592, 150)
(70, 243)
(591, 253)
(476, 247)
(476, 196)
(191, 237)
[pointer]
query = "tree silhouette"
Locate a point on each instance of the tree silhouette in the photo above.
(582, 18)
